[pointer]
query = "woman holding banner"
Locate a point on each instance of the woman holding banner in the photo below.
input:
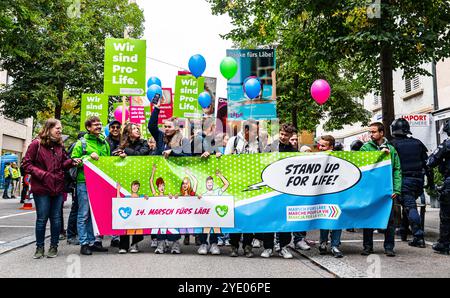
(45, 161)
(246, 142)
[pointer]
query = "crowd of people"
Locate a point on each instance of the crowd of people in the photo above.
(49, 164)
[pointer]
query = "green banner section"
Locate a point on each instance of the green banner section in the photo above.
(94, 105)
(125, 66)
(187, 90)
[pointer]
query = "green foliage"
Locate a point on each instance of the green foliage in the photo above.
(52, 54)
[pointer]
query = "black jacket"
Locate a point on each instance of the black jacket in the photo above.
(113, 144)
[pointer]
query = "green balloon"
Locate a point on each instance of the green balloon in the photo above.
(228, 67)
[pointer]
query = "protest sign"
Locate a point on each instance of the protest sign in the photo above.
(253, 63)
(125, 66)
(94, 105)
(187, 90)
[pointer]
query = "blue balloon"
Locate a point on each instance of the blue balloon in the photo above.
(204, 99)
(197, 65)
(106, 132)
(154, 80)
(152, 91)
(252, 88)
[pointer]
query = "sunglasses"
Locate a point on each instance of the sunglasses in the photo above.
(115, 127)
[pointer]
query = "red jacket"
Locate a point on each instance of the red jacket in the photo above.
(46, 166)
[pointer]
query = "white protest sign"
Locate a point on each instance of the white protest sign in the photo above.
(163, 212)
(310, 175)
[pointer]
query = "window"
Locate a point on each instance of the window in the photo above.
(412, 84)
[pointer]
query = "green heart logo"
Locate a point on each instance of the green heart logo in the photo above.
(221, 210)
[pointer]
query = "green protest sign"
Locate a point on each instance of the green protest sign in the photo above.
(94, 105)
(125, 62)
(187, 90)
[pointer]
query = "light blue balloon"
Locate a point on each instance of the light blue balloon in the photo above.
(153, 81)
(197, 65)
(152, 91)
(204, 99)
(252, 88)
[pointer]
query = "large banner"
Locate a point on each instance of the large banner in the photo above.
(272, 192)
(94, 105)
(253, 63)
(125, 66)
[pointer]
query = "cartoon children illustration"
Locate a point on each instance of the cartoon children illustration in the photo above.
(210, 191)
(135, 185)
(160, 185)
(124, 244)
(186, 189)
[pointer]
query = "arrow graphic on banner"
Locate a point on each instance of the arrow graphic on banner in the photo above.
(335, 211)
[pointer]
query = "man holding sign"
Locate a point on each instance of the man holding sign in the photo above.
(280, 145)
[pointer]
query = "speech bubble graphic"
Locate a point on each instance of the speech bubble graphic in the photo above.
(309, 175)
(221, 210)
(125, 212)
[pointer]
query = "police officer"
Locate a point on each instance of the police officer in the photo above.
(413, 160)
(441, 157)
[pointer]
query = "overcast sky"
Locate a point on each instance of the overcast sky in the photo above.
(177, 29)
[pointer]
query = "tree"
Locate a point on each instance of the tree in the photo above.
(51, 50)
(301, 59)
(394, 35)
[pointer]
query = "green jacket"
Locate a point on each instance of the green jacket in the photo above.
(93, 144)
(395, 160)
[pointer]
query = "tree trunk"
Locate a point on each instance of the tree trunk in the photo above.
(387, 91)
(60, 96)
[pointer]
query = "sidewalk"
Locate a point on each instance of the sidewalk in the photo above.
(409, 262)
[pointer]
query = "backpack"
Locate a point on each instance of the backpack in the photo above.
(70, 175)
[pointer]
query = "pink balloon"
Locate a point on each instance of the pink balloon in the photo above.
(320, 91)
(118, 114)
